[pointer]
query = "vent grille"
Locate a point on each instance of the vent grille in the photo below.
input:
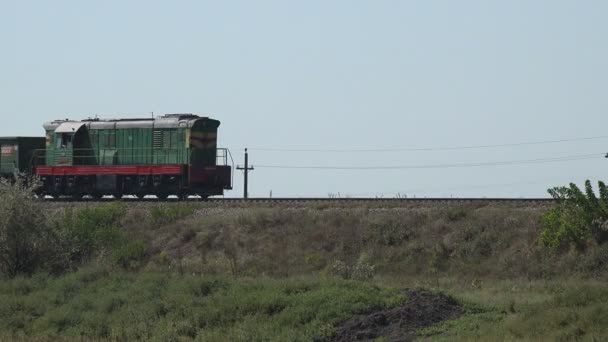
(158, 139)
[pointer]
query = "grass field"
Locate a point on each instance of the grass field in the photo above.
(284, 274)
(526, 310)
(97, 303)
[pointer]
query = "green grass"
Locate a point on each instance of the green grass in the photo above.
(94, 303)
(97, 303)
(522, 310)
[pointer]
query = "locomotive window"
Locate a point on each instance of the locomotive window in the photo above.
(66, 138)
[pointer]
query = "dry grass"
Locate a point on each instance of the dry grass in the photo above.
(465, 241)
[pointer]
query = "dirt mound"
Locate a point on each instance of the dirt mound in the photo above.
(422, 309)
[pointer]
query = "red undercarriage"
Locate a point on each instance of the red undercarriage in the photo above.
(120, 170)
(208, 180)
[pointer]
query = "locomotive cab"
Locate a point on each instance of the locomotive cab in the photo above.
(69, 147)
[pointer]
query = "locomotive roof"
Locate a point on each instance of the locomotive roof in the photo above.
(164, 121)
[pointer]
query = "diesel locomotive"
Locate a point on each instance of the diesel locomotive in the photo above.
(174, 154)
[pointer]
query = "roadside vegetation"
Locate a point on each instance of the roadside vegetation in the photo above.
(254, 272)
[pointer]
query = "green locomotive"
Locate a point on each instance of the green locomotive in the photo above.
(174, 154)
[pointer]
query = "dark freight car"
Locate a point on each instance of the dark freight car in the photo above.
(17, 154)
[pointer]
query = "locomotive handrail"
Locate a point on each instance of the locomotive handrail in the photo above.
(224, 155)
(133, 156)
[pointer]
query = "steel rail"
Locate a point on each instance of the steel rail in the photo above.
(321, 199)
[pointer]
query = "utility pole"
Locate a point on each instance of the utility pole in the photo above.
(246, 170)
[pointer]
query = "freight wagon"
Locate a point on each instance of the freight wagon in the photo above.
(17, 153)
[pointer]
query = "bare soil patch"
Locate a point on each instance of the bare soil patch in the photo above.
(422, 309)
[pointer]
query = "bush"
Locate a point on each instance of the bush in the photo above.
(579, 217)
(86, 231)
(27, 242)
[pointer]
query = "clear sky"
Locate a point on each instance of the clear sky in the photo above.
(331, 75)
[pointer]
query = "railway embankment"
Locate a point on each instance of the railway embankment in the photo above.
(298, 271)
(432, 241)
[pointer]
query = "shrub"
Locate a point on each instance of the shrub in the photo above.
(27, 243)
(579, 217)
(86, 231)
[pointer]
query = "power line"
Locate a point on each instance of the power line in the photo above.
(422, 149)
(417, 192)
(440, 166)
(547, 182)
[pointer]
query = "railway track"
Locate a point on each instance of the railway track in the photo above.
(301, 200)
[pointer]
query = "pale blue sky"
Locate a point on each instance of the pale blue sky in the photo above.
(331, 74)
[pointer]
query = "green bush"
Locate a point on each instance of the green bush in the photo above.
(578, 218)
(29, 241)
(86, 231)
